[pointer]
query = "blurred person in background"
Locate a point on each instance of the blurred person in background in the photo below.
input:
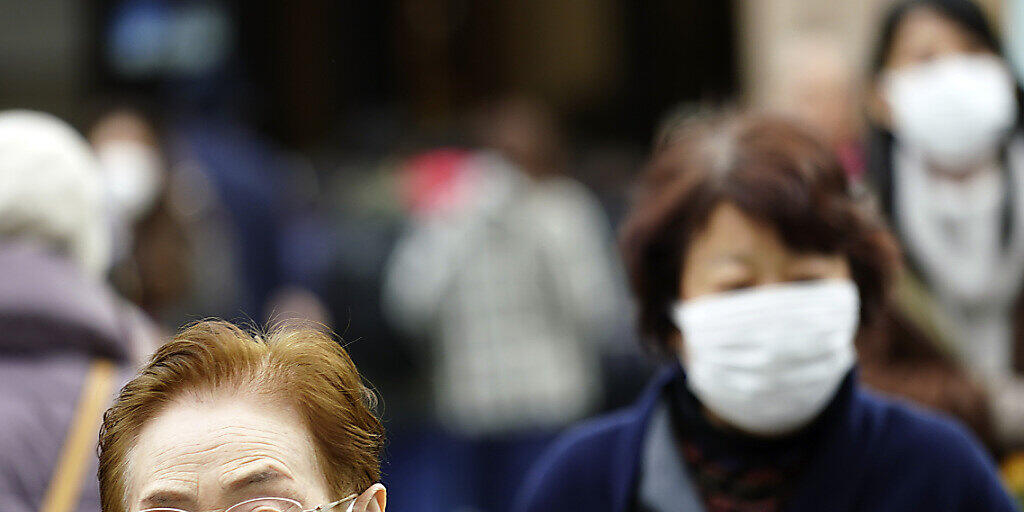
(228, 184)
(817, 86)
(507, 273)
(66, 337)
(132, 168)
(150, 260)
(947, 158)
(756, 269)
(178, 251)
(221, 419)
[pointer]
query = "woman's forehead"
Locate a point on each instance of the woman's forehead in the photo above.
(732, 233)
(924, 29)
(195, 444)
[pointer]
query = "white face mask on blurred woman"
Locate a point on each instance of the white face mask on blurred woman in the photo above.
(769, 359)
(132, 181)
(131, 172)
(955, 109)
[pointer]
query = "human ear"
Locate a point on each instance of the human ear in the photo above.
(374, 499)
(876, 106)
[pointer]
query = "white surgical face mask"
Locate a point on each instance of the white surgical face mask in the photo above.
(132, 181)
(767, 360)
(132, 177)
(956, 109)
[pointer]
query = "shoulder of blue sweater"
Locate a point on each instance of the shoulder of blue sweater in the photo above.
(584, 456)
(596, 437)
(590, 462)
(916, 456)
(905, 434)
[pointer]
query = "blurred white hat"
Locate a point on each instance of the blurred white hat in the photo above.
(51, 188)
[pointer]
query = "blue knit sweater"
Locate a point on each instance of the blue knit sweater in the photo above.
(876, 455)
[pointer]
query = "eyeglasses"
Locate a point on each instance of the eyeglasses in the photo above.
(271, 505)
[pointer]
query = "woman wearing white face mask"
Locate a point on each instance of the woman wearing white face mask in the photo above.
(947, 157)
(755, 269)
(132, 167)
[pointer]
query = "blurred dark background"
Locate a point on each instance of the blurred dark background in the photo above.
(318, 71)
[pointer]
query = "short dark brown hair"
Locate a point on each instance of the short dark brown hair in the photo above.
(296, 362)
(773, 171)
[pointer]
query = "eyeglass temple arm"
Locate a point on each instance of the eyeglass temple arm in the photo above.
(328, 506)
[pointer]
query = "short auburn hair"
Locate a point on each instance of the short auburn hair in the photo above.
(298, 363)
(771, 170)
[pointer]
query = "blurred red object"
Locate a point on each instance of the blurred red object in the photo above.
(436, 181)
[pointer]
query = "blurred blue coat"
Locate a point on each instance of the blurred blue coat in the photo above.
(876, 455)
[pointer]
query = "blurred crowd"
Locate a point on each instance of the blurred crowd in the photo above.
(477, 281)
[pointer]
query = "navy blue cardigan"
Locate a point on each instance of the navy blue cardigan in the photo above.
(877, 455)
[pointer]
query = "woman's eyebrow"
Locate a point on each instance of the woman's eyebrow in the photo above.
(262, 475)
(733, 257)
(167, 497)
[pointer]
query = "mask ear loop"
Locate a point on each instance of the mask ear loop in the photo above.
(1009, 194)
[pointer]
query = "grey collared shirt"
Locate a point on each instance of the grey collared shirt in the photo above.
(665, 483)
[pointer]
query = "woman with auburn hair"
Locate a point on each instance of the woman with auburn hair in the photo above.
(220, 419)
(755, 269)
